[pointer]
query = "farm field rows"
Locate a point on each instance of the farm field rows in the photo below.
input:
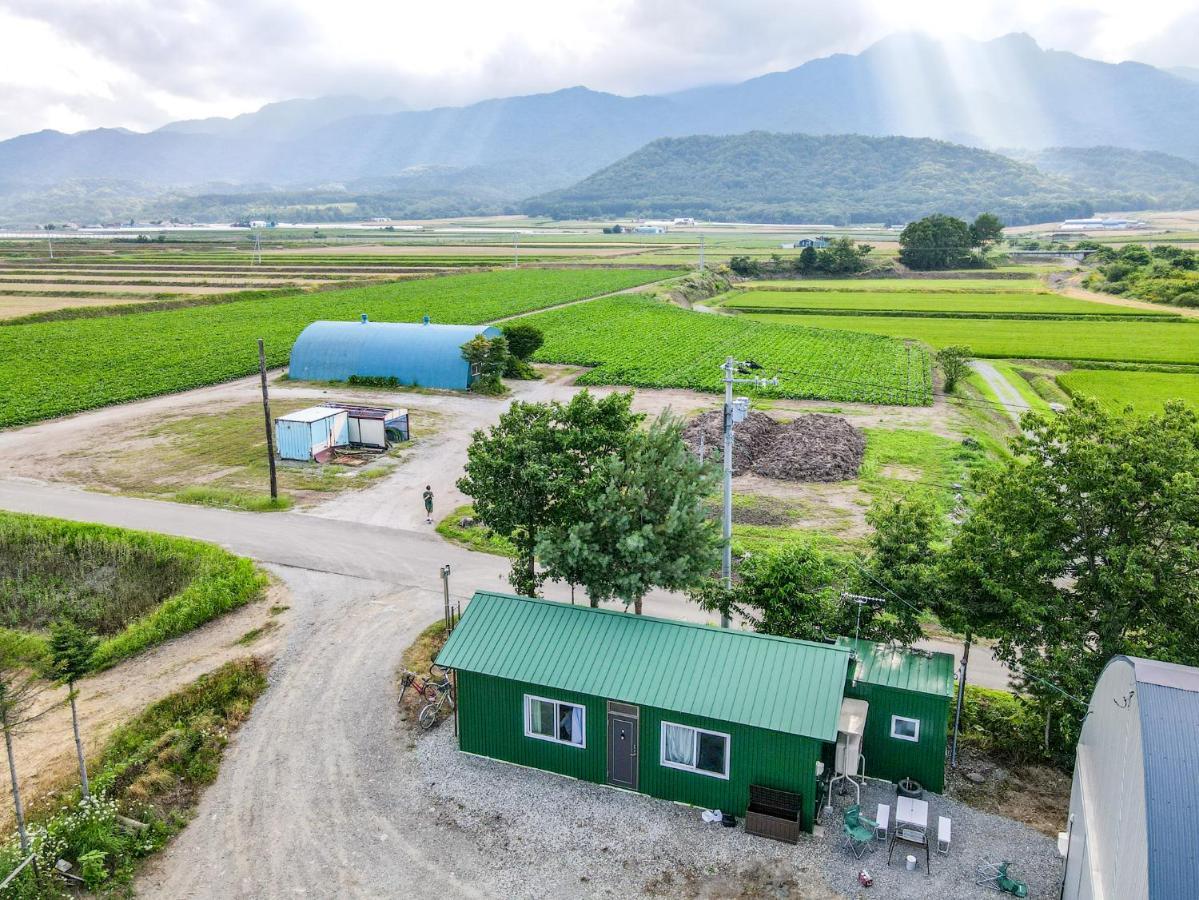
(643, 342)
(1108, 339)
(1145, 391)
(905, 285)
(921, 302)
(54, 368)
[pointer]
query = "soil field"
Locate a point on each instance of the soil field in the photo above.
(15, 306)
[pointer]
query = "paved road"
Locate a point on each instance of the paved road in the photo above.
(1014, 403)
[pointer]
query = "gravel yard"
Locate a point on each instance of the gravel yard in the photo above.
(545, 835)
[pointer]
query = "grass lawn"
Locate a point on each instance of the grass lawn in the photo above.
(1170, 341)
(965, 302)
(1146, 391)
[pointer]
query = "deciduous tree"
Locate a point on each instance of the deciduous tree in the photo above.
(20, 689)
(935, 242)
(71, 649)
(954, 362)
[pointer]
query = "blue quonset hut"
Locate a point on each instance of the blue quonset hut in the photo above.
(413, 353)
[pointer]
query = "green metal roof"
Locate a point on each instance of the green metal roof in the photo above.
(768, 682)
(923, 671)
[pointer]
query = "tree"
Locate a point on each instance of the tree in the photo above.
(935, 242)
(986, 230)
(901, 566)
(790, 591)
(19, 691)
(71, 649)
(745, 266)
(527, 472)
(523, 342)
(644, 524)
(807, 260)
(488, 357)
(955, 363)
(1084, 545)
(842, 257)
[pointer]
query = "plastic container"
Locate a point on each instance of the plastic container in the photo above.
(911, 863)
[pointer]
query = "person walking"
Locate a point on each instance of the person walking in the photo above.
(428, 498)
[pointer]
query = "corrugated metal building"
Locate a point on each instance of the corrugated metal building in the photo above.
(310, 433)
(374, 427)
(676, 710)
(909, 692)
(1133, 831)
(415, 354)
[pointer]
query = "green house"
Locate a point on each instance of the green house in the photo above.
(675, 710)
(909, 692)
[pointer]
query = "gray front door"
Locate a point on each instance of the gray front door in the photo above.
(622, 750)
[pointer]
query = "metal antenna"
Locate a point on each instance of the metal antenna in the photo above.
(861, 600)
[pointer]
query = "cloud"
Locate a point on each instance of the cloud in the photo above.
(141, 63)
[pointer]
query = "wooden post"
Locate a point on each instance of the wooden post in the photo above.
(266, 412)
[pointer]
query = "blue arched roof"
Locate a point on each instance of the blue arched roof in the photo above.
(412, 352)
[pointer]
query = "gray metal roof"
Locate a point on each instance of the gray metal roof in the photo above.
(1168, 699)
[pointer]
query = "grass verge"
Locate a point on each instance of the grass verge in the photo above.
(152, 770)
(476, 537)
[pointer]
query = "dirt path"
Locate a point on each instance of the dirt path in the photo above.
(45, 753)
(1013, 403)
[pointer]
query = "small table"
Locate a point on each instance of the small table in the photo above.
(911, 827)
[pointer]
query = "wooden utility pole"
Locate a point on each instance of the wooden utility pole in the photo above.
(266, 412)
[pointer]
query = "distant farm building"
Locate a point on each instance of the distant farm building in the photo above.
(1099, 224)
(415, 354)
(649, 229)
(1134, 805)
(817, 242)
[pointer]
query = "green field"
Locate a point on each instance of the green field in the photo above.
(1147, 391)
(644, 342)
(1169, 341)
(923, 303)
(906, 285)
(54, 368)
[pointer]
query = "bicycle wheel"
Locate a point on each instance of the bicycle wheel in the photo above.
(432, 691)
(428, 716)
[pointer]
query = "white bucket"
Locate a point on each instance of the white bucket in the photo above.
(911, 863)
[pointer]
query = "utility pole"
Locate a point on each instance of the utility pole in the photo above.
(266, 412)
(957, 714)
(516, 249)
(701, 252)
(735, 411)
(50, 241)
(445, 587)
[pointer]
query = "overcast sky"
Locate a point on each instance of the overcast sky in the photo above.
(76, 64)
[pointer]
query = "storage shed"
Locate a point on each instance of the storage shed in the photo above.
(311, 433)
(1134, 803)
(671, 709)
(417, 354)
(909, 694)
(374, 427)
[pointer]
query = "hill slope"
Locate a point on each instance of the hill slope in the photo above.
(1131, 179)
(763, 177)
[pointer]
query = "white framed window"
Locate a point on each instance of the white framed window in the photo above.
(555, 720)
(905, 729)
(695, 750)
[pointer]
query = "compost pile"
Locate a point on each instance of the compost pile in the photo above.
(815, 447)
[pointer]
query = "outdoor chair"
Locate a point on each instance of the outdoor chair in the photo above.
(859, 831)
(996, 876)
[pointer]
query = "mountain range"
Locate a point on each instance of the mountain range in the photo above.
(1008, 92)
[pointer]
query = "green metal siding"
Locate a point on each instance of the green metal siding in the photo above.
(646, 661)
(892, 758)
(491, 723)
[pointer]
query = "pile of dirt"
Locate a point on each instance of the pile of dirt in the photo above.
(814, 447)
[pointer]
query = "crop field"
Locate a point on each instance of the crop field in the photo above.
(906, 285)
(1145, 391)
(644, 342)
(54, 368)
(1172, 340)
(921, 302)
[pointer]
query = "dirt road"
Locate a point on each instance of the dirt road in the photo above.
(1013, 404)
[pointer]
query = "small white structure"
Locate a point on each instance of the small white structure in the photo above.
(1133, 831)
(649, 229)
(374, 427)
(851, 725)
(312, 433)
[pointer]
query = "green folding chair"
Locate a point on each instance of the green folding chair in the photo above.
(859, 831)
(996, 875)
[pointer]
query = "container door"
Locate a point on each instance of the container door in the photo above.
(355, 431)
(371, 433)
(622, 749)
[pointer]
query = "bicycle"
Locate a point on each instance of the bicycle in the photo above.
(443, 694)
(426, 686)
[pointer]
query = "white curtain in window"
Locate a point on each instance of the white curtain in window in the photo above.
(680, 745)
